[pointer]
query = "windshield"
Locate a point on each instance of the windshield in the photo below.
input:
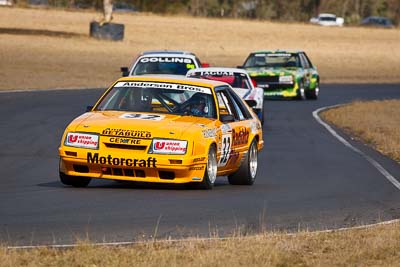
(153, 97)
(234, 79)
(273, 60)
(163, 65)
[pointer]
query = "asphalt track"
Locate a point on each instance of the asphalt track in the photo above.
(307, 179)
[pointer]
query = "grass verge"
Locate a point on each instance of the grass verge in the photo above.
(376, 123)
(55, 44)
(377, 246)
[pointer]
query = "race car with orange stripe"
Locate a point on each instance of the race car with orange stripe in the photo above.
(162, 129)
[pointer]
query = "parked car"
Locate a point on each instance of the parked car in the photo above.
(326, 19)
(241, 83)
(283, 74)
(377, 22)
(163, 62)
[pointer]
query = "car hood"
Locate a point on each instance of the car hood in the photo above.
(139, 125)
(272, 71)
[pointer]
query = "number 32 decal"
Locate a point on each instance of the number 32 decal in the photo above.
(225, 150)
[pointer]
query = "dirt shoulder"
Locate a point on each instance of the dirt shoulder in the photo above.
(42, 48)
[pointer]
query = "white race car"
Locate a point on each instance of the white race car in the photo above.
(163, 62)
(240, 81)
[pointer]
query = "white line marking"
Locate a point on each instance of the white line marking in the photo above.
(130, 243)
(374, 163)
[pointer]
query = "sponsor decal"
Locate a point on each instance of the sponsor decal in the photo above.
(166, 60)
(172, 86)
(196, 168)
(126, 133)
(225, 128)
(216, 73)
(209, 133)
(240, 136)
(254, 127)
(82, 140)
(125, 141)
(169, 147)
(279, 55)
(225, 149)
(150, 162)
(138, 116)
(233, 156)
(198, 159)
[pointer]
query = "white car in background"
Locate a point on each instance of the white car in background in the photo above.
(239, 80)
(326, 19)
(163, 62)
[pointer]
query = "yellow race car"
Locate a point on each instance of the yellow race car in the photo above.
(163, 130)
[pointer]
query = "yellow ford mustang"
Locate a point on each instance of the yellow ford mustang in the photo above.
(163, 130)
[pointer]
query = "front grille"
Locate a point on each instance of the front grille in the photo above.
(166, 175)
(81, 168)
(271, 83)
(266, 79)
(120, 146)
(123, 172)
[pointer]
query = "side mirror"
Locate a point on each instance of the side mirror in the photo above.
(225, 118)
(89, 108)
(125, 71)
(205, 65)
(251, 103)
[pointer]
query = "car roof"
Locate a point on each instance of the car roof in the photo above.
(172, 79)
(221, 69)
(166, 52)
(326, 15)
(277, 51)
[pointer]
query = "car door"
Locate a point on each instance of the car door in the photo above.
(307, 70)
(233, 139)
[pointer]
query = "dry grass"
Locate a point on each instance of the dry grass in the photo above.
(378, 246)
(347, 54)
(375, 122)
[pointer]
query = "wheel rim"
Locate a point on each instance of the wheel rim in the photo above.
(302, 93)
(212, 166)
(253, 160)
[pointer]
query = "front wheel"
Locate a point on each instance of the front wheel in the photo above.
(75, 181)
(210, 173)
(313, 94)
(246, 175)
(301, 95)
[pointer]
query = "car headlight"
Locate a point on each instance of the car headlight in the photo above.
(168, 146)
(286, 79)
(82, 140)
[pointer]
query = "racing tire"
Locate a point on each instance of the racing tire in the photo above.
(210, 173)
(301, 95)
(313, 94)
(75, 181)
(262, 116)
(246, 175)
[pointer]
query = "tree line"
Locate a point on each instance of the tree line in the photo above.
(279, 10)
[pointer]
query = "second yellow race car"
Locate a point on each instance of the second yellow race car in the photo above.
(163, 130)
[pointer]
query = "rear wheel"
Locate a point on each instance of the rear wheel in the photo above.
(75, 181)
(246, 175)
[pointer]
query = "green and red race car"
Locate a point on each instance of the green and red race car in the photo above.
(283, 74)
